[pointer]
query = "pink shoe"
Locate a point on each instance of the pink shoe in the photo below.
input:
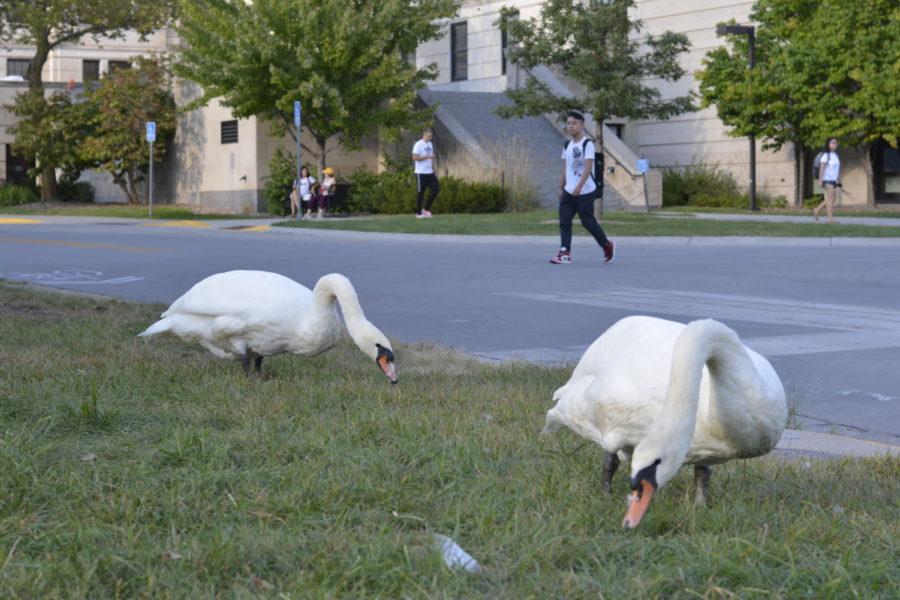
(564, 257)
(426, 214)
(420, 216)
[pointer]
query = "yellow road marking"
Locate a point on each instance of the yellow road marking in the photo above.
(189, 224)
(18, 221)
(257, 228)
(87, 245)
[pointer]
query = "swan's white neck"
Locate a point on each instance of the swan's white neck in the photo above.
(739, 404)
(337, 288)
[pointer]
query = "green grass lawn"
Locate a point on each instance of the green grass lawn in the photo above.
(543, 222)
(133, 468)
(127, 211)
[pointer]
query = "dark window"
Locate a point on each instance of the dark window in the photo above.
(459, 51)
(618, 129)
(90, 70)
(504, 43)
(18, 66)
(115, 65)
(887, 173)
(229, 132)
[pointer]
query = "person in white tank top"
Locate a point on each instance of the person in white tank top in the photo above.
(829, 179)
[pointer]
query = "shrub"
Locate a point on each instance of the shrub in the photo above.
(14, 195)
(687, 185)
(77, 191)
(395, 193)
(277, 185)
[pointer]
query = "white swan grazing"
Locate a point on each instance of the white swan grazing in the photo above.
(667, 394)
(254, 314)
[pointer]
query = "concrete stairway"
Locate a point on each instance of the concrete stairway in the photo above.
(468, 127)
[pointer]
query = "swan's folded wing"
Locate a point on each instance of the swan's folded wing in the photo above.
(242, 294)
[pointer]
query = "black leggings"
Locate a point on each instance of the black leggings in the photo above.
(423, 181)
(584, 206)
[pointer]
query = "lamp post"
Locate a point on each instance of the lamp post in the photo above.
(750, 32)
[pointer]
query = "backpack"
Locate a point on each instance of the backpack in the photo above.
(597, 174)
(817, 164)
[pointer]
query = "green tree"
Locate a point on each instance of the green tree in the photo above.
(599, 47)
(46, 24)
(825, 68)
(344, 60)
(51, 128)
(116, 113)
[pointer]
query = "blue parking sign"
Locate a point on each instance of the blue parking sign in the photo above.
(151, 131)
(296, 113)
(643, 165)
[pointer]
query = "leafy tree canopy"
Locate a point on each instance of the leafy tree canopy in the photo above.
(343, 59)
(597, 45)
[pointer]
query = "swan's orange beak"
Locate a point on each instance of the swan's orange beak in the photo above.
(638, 502)
(388, 367)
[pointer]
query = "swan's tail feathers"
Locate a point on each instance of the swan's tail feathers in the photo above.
(160, 326)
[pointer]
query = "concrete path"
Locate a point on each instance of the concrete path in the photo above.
(877, 221)
(796, 443)
(826, 314)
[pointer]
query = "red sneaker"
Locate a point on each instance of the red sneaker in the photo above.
(563, 257)
(609, 252)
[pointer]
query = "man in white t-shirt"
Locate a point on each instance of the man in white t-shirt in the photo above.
(423, 157)
(578, 191)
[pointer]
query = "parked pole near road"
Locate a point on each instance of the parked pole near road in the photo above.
(297, 122)
(750, 32)
(151, 138)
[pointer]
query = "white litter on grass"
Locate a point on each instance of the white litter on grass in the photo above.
(454, 556)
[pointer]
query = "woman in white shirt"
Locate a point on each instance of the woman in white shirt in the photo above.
(829, 179)
(304, 192)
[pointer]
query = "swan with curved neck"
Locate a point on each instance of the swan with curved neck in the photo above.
(248, 315)
(666, 394)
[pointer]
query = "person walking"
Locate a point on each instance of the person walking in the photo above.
(304, 192)
(829, 179)
(424, 162)
(578, 191)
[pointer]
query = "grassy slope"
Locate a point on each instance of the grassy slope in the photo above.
(322, 480)
(125, 211)
(543, 222)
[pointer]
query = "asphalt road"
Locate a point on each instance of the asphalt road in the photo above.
(826, 316)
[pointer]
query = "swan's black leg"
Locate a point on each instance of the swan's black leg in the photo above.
(610, 464)
(245, 362)
(257, 364)
(701, 484)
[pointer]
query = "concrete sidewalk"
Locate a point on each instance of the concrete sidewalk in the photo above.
(796, 443)
(843, 220)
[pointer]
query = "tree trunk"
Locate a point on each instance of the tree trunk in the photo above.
(865, 156)
(320, 141)
(49, 189)
(598, 201)
(134, 195)
(799, 173)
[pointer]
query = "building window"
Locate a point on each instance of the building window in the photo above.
(115, 65)
(617, 128)
(18, 66)
(229, 132)
(887, 173)
(90, 70)
(504, 43)
(459, 51)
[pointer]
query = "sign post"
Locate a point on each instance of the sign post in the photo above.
(151, 138)
(643, 165)
(297, 122)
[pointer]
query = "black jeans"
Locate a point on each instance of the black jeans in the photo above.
(426, 181)
(584, 206)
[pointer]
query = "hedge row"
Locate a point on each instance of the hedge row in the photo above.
(395, 193)
(14, 195)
